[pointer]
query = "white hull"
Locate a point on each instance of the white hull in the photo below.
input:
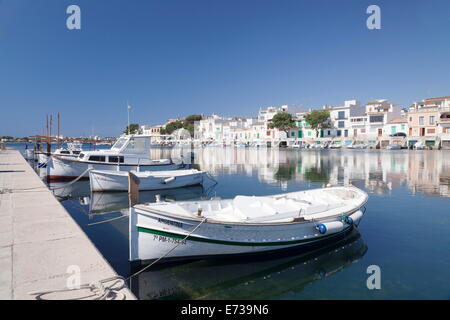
(152, 239)
(62, 169)
(154, 233)
(29, 154)
(118, 180)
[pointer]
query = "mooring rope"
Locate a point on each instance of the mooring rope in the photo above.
(167, 253)
(99, 290)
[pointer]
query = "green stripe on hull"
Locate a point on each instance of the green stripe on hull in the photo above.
(233, 243)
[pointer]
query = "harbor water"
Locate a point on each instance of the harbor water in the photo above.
(405, 231)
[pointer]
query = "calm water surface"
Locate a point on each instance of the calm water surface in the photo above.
(405, 230)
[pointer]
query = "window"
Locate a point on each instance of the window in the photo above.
(363, 130)
(116, 159)
(431, 119)
(76, 152)
(97, 158)
(339, 132)
(376, 118)
(341, 115)
(119, 143)
(137, 144)
(421, 121)
(341, 124)
(64, 152)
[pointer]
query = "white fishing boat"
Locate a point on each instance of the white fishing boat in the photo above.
(243, 225)
(393, 147)
(29, 154)
(357, 146)
(419, 146)
(130, 152)
(108, 180)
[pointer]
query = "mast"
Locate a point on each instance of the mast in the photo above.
(47, 134)
(57, 138)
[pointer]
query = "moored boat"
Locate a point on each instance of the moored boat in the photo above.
(242, 225)
(108, 180)
(393, 147)
(130, 152)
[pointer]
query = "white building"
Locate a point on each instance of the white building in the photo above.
(378, 114)
(340, 118)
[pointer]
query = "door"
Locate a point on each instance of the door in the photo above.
(422, 132)
(380, 132)
(355, 132)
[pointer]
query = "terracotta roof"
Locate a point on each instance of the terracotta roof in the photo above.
(437, 99)
(398, 121)
(376, 102)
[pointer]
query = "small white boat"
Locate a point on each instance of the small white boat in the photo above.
(242, 225)
(357, 146)
(29, 154)
(110, 180)
(418, 146)
(393, 147)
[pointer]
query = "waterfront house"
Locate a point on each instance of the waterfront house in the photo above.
(151, 130)
(371, 125)
(429, 122)
(340, 118)
(396, 126)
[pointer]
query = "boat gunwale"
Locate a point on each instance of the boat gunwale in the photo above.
(115, 163)
(153, 173)
(236, 223)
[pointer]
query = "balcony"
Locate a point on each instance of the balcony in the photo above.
(444, 120)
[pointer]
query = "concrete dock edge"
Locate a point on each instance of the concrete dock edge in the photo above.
(40, 243)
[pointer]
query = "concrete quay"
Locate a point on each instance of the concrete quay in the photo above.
(41, 247)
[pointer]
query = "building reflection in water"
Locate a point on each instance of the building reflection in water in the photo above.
(379, 171)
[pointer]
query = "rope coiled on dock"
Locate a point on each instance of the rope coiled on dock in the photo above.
(97, 290)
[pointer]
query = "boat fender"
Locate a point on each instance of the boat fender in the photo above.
(168, 180)
(355, 217)
(348, 220)
(330, 227)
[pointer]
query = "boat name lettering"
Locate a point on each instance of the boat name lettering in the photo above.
(170, 222)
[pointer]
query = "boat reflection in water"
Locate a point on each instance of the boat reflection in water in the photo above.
(102, 202)
(258, 277)
(106, 202)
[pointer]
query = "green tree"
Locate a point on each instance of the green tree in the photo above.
(282, 121)
(285, 173)
(318, 119)
(316, 175)
(134, 128)
(189, 122)
(171, 127)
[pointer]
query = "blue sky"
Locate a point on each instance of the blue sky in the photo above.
(172, 58)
